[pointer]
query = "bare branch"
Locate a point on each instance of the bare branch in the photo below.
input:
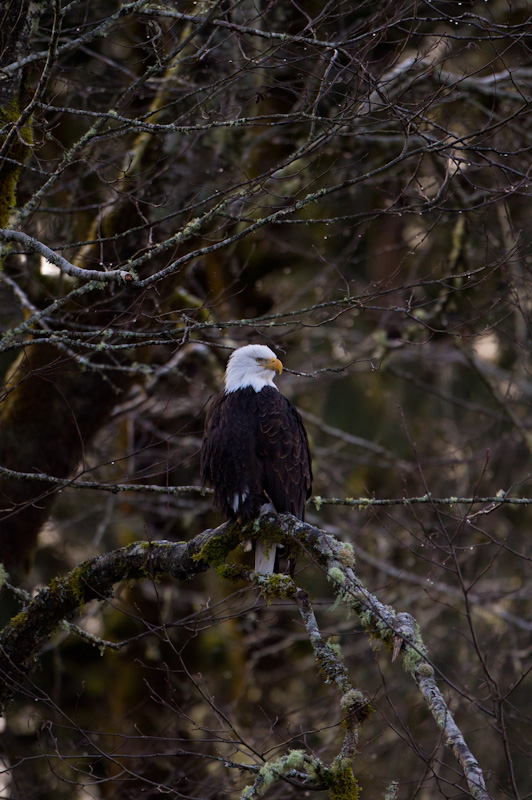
(32, 245)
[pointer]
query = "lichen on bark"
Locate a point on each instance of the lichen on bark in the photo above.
(17, 20)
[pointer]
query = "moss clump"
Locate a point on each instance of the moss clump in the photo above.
(379, 629)
(77, 584)
(213, 551)
(346, 554)
(4, 577)
(411, 660)
(425, 671)
(329, 659)
(71, 588)
(391, 794)
(295, 759)
(352, 699)
(18, 620)
(414, 658)
(317, 500)
(270, 773)
(356, 706)
(230, 572)
(340, 781)
(277, 586)
(335, 574)
(335, 648)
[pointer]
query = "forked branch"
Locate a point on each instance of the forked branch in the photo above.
(22, 639)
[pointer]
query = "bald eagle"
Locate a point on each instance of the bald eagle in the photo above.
(255, 451)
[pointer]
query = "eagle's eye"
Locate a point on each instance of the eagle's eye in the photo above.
(258, 360)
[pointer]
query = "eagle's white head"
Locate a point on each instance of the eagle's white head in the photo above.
(253, 365)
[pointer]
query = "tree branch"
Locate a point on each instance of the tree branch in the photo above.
(32, 245)
(22, 639)
(360, 503)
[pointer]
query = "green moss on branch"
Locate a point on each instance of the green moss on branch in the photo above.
(23, 638)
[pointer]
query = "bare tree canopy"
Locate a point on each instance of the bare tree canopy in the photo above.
(348, 183)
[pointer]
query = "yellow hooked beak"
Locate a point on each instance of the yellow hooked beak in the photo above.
(273, 363)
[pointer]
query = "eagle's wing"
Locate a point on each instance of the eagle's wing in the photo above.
(283, 449)
(228, 454)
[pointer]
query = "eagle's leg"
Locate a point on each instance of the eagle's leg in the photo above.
(265, 553)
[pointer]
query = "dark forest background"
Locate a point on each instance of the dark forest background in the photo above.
(350, 184)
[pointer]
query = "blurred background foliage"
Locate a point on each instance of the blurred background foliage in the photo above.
(350, 184)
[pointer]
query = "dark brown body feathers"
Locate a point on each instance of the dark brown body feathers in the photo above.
(255, 450)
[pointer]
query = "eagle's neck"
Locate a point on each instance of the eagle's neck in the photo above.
(257, 379)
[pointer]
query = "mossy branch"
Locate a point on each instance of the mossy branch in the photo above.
(398, 631)
(24, 636)
(22, 639)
